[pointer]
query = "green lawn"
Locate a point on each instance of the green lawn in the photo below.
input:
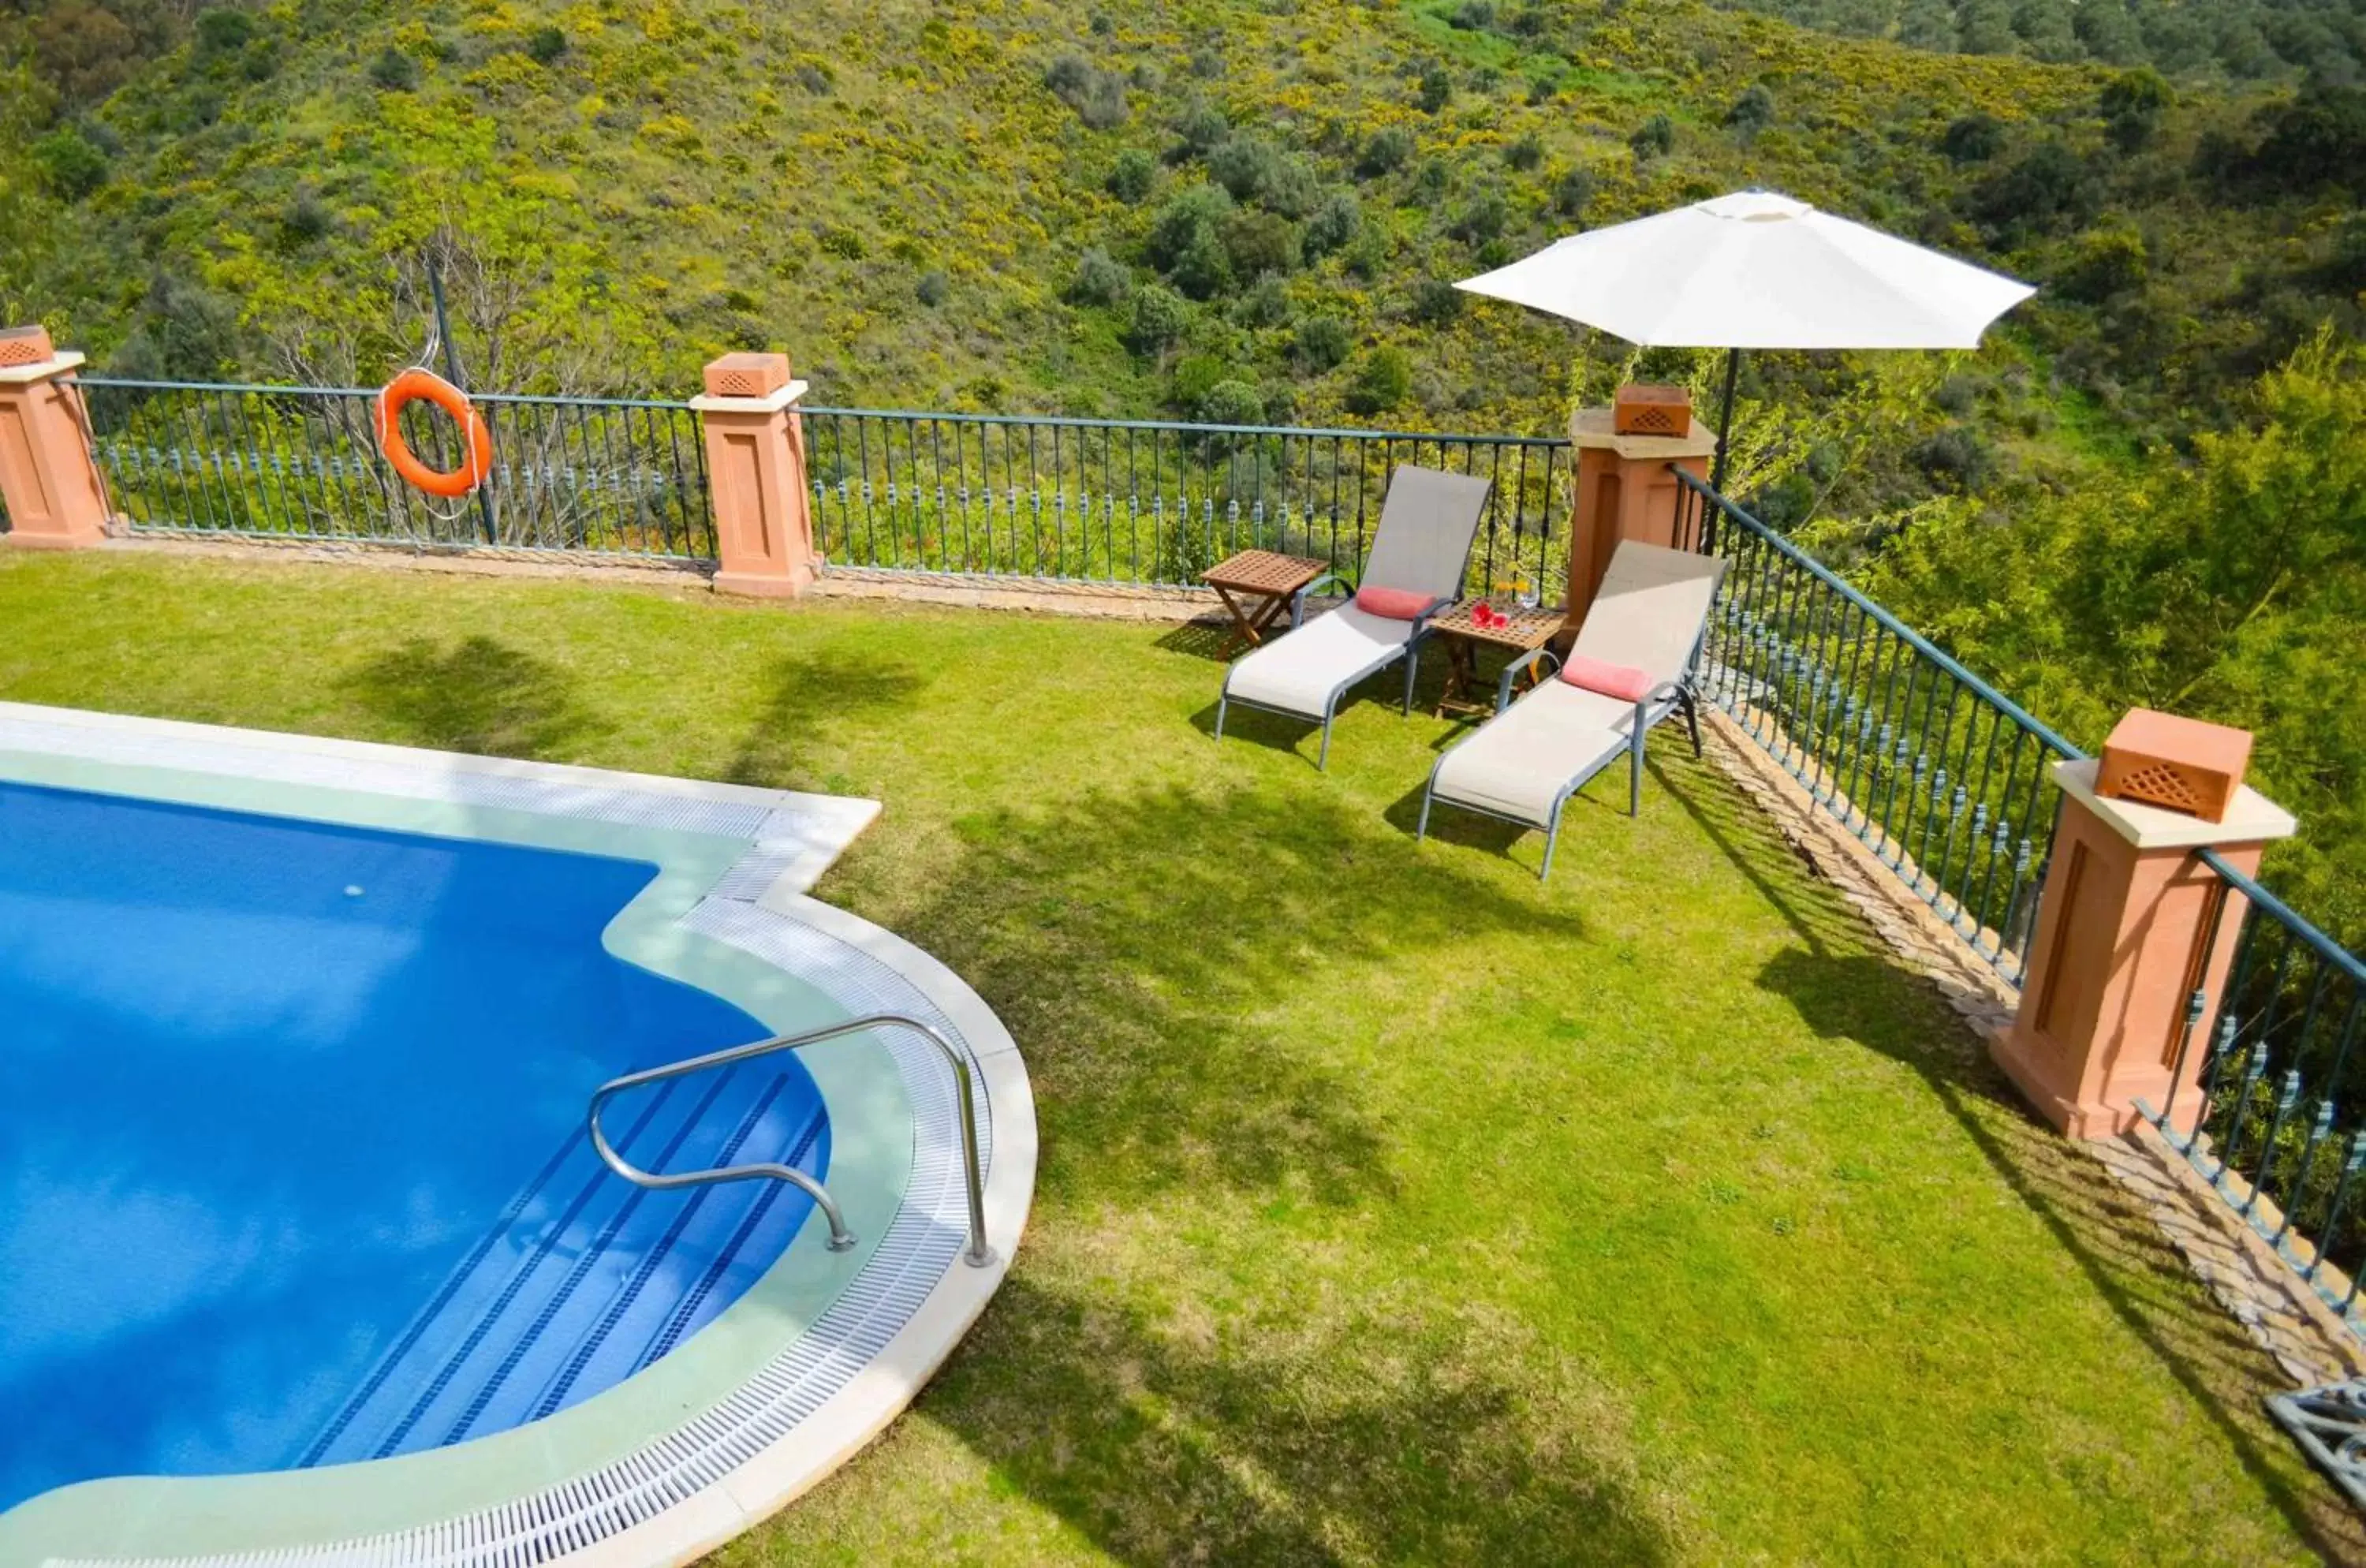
(1392, 1207)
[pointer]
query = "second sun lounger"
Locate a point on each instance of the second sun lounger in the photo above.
(1642, 634)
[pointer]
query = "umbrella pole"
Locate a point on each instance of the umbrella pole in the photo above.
(1724, 418)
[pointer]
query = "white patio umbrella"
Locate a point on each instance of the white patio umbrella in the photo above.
(1756, 270)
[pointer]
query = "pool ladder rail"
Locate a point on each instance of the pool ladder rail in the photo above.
(977, 1254)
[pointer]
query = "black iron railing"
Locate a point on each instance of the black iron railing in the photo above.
(2277, 1123)
(1941, 776)
(1136, 502)
(603, 475)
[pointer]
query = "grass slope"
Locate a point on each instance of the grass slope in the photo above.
(1393, 1207)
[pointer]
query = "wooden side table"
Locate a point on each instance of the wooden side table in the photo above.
(1266, 581)
(1521, 631)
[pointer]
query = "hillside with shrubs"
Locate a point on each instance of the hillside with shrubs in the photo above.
(1212, 211)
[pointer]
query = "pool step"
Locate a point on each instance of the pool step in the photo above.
(585, 1278)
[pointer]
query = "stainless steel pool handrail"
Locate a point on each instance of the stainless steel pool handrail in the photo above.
(977, 1254)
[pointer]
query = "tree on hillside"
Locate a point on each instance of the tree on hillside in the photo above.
(2232, 587)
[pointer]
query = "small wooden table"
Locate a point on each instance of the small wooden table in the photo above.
(1521, 631)
(1266, 581)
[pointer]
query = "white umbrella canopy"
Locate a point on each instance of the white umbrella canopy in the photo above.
(1756, 270)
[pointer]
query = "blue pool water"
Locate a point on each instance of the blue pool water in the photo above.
(291, 1161)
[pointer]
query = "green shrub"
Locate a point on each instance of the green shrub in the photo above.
(932, 287)
(1159, 318)
(1751, 113)
(1186, 241)
(1435, 89)
(2133, 106)
(1526, 154)
(1655, 138)
(1574, 193)
(1335, 224)
(72, 166)
(224, 30)
(2316, 138)
(394, 71)
(2106, 262)
(1101, 280)
(1266, 303)
(2048, 189)
(1384, 152)
(304, 219)
(1261, 243)
(1320, 344)
(1097, 96)
(1201, 130)
(1131, 177)
(1435, 301)
(544, 45)
(1382, 381)
(1232, 402)
(1481, 217)
(1973, 138)
(843, 242)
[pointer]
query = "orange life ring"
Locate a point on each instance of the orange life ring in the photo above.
(475, 436)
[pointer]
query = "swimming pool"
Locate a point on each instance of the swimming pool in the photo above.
(300, 1217)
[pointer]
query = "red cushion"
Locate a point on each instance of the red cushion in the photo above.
(1396, 604)
(1622, 681)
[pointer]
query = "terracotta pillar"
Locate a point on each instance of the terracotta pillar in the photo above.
(2118, 952)
(1625, 492)
(756, 470)
(55, 497)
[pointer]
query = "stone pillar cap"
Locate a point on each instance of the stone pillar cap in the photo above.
(771, 402)
(41, 369)
(2252, 818)
(1594, 427)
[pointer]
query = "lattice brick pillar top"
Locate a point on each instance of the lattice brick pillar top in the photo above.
(756, 473)
(47, 476)
(2126, 914)
(1625, 492)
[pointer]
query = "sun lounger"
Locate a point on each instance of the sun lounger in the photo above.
(1640, 639)
(1415, 569)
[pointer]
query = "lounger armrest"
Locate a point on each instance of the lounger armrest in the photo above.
(1421, 622)
(1525, 661)
(1298, 599)
(1663, 692)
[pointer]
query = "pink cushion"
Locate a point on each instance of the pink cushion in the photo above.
(1396, 604)
(1622, 681)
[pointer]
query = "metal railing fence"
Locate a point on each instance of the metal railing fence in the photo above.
(2277, 1124)
(606, 475)
(1153, 503)
(1932, 769)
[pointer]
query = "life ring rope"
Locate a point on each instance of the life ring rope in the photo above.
(476, 437)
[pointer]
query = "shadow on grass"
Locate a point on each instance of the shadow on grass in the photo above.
(1386, 1440)
(807, 693)
(480, 697)
(1843, 986)
(1146, 949)
(1150, 950)
(1214, 641)
(1603, 793)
